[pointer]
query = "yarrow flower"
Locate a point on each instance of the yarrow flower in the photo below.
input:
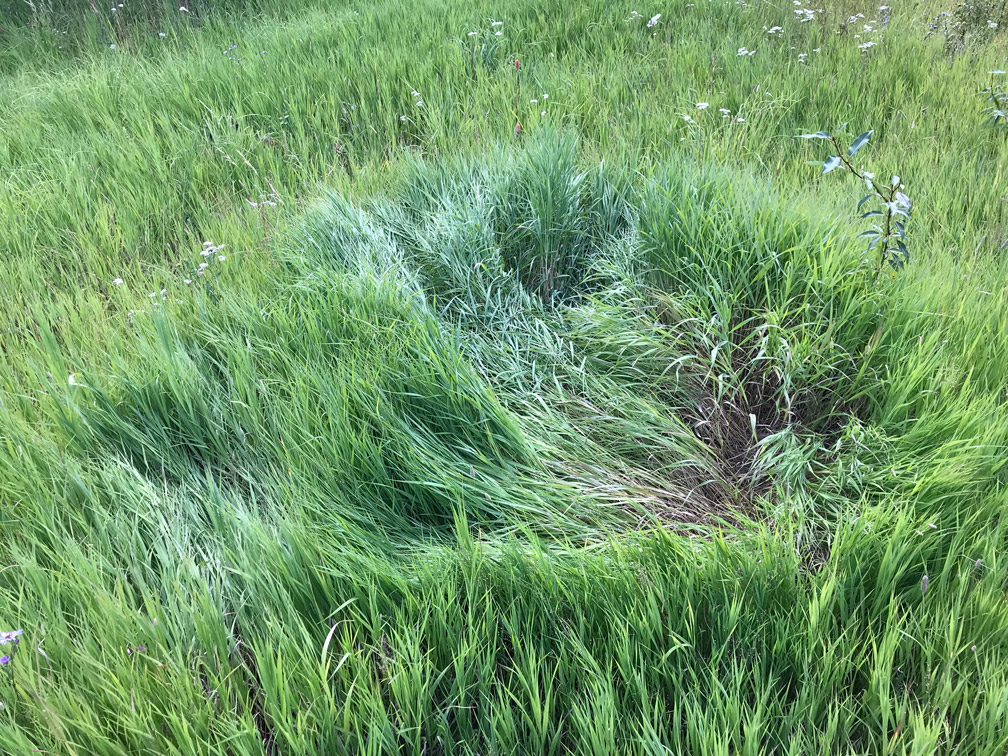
(743, 51)
(702, 105)
(654, 20)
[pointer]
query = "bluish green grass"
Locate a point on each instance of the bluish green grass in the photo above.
(337, 423)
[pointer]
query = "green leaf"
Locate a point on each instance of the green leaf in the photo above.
(832, 162)
(863, 200)
(817, 135)
(898, 209)
(858, 143)
(872, 214)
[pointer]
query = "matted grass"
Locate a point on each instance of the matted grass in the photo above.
(334, 422)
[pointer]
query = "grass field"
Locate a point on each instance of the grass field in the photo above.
(500, 378)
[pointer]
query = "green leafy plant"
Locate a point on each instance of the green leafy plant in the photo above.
(887, 202)
(968, 25)
(998, 99)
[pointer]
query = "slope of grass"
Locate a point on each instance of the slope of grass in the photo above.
(337, 417)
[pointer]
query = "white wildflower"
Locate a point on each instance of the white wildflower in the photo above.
(117, 282)
(654, 20)
(72, 379)
(702, 105)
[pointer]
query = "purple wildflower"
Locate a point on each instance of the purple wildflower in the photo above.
(9, 636)
(4, 661)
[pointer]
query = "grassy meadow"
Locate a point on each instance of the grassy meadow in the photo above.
(500, 378)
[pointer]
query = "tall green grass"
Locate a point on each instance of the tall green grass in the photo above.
(599, 438)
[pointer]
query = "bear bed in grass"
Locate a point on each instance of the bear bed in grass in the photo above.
(521, 341)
